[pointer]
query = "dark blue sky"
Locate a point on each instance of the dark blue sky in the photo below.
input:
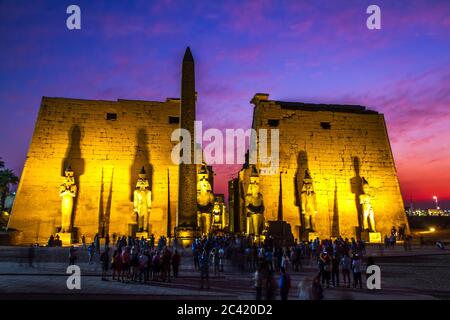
(311, 51)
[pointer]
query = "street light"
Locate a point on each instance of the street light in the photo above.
(436, 201)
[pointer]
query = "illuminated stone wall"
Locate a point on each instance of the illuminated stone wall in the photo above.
(106, 156)
(338, 145)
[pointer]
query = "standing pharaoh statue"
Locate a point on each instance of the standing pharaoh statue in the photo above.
(308, 201)
(142, 201)
(367, 209)
(67, 192)
(205, 200)
(254, 204)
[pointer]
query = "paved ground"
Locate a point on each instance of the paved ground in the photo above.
(423, 273)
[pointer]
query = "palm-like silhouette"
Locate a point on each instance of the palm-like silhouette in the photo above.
(7, 178)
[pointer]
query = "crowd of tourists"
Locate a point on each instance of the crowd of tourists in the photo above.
(335, 260)
(132, 259)
(338, 262)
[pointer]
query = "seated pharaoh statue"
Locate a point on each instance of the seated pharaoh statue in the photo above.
(254, 204)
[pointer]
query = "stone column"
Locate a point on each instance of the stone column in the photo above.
(187, 192)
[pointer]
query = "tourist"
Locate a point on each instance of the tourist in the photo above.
(356, 270)
(335, 269)
(270, 285)
(386, 241)
(83, 242)
(91, 251)
(258, 281)
(304, 290)
(107, 241)
(104, 259)
(126, 261)
(295, 257)
(51, 241)
(222, 257)
(176, 260)
(285, 262)
(196, 256)
(72, 255)
(345, 264)
(325, 268)
(97, 243)
(316, 289)
(155, 266)
(143, 264)
(114, 264)
(165, 264)
(134, 264)
(215, 261)
(204, 269)
(284, 284)
(152, 241)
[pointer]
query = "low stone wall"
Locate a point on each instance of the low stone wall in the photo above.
(424, 223)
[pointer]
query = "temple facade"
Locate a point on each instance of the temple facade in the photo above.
(336, 173)
(117, 151)
(106, 167)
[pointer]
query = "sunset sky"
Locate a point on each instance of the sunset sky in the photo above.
(311, 51)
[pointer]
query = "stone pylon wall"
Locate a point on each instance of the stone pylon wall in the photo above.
(356, 145)
(106, 156)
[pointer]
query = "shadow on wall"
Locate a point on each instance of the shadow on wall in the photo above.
(105, 210)
(302, 166)
(141, 159)
(335, 230)
(74, 158)
(356, 188)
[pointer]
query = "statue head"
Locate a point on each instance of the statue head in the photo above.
(203, 173)
(253, 187)
(142, 182)
(68, 172)
(204, 185)
(216, 208)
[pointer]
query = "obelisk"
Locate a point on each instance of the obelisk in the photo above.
(187, 187)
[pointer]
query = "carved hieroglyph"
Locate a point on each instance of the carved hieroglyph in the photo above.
(67, 192)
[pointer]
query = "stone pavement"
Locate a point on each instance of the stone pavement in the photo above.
(420, 274)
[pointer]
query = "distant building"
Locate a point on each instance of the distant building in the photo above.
(435, 212)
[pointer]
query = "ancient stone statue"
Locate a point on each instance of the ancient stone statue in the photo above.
(367, 210)
(67, 192)
(142, 201)
(205, 200)
(308, 201)
(254, 204)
